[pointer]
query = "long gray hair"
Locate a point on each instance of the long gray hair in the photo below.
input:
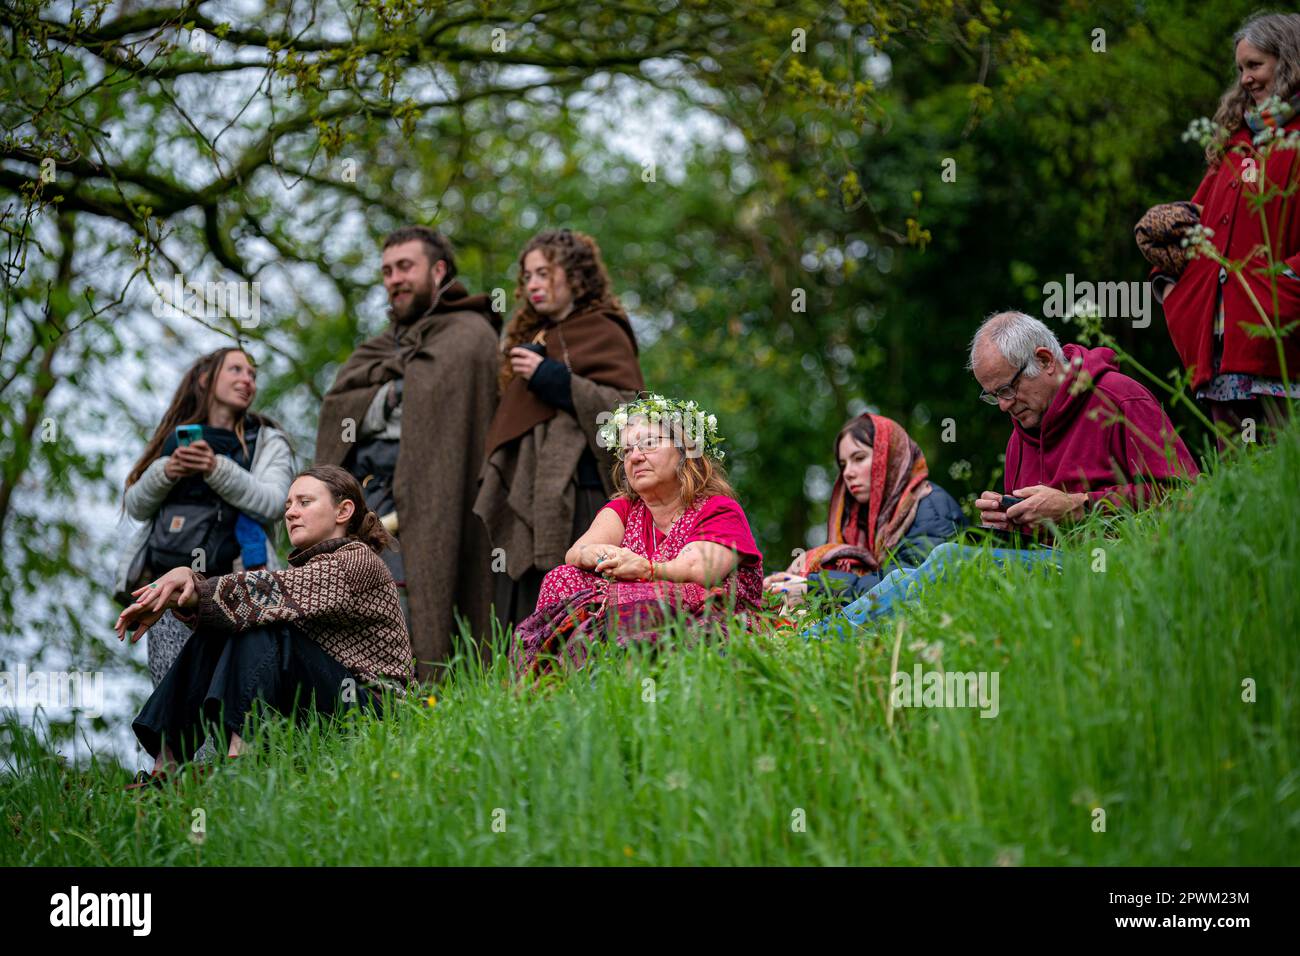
(1277, 34)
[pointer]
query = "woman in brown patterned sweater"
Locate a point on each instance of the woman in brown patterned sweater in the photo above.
(329, 627)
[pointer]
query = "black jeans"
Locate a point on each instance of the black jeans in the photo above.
(217, 676)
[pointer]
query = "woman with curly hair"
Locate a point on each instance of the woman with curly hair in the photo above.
(1212, 313)
(569, 354)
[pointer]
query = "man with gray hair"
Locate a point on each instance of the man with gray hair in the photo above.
(1084, 435)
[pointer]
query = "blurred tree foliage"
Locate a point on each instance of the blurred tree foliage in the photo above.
(805, 260)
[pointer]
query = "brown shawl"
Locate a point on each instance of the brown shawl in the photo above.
(597, 343)
(528, 495)
(448, 359)
(858, 541)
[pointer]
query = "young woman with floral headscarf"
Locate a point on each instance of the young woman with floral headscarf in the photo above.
(885, 512)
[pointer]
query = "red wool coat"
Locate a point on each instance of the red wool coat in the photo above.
(1239, 236)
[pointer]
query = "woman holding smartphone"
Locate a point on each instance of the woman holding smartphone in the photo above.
(209, 487)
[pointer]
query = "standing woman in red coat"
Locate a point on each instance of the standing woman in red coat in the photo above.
(1237, 374)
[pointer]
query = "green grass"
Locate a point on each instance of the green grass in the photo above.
(1119, 689)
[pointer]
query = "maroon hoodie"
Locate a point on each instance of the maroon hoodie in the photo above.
(1081, 446)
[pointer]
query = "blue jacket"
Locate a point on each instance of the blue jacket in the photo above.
(938, 519)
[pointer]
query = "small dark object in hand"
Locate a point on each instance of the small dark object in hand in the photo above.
(1009, 500)
(187, 435)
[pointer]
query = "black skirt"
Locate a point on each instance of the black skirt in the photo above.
(211, 687)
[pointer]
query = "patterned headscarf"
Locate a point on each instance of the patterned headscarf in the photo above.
(859, 537)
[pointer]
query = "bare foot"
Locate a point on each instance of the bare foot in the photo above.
(165, 762)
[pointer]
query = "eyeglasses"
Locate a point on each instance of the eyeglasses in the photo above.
(1006, 392)
(645, 445)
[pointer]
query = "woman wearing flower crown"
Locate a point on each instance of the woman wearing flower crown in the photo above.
(1212, 313)
(674, 541)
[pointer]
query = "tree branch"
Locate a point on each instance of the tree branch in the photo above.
(44, 381)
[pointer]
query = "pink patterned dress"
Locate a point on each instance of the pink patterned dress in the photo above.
(576, 607)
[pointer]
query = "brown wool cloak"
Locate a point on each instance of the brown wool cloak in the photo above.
(528, 495)
(449, 360)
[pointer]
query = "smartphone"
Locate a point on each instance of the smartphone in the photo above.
(1009, 500)
(188, 434)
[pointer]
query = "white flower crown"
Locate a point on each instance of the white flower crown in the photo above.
(698, 426)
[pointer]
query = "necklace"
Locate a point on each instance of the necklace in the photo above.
(654, 531)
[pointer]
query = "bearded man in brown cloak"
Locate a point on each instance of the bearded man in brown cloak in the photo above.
(569, 355)
(408, 415)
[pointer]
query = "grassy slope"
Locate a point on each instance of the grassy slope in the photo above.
(1119, 689)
